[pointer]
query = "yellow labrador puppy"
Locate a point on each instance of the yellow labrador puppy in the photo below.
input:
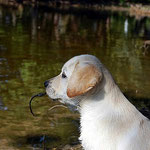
(108, 120)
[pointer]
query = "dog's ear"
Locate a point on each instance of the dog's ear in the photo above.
(83, 79)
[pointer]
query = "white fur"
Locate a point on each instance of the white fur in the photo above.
(108, 120)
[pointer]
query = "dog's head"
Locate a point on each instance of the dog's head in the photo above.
(78, 77)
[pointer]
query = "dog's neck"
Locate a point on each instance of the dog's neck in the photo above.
(104, 111)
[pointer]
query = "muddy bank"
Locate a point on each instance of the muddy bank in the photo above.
(141, 10)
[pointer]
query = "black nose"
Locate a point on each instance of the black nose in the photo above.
(46, 83)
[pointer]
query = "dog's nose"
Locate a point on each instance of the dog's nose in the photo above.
(46, 83)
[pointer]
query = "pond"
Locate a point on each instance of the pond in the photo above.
(35, 41)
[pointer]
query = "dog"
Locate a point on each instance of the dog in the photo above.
(108, 121)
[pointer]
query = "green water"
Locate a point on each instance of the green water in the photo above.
(34, 44)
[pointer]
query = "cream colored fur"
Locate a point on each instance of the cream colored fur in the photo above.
(108, 120)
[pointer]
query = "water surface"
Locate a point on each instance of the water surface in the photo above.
(34, 44)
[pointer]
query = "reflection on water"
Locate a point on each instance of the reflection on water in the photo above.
(34, 44)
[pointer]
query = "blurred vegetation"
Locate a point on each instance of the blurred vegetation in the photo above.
(100, 2)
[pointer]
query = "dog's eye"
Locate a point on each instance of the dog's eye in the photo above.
(64, 75)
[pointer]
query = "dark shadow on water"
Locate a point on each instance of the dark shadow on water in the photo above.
(142, 104)
(50, 140)
(145, 112)
(37, 141)
(40, 139)
(44, 142)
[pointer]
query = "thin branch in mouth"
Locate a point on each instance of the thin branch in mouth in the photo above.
(37, 95)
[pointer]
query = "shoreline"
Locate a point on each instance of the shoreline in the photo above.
(137, 10)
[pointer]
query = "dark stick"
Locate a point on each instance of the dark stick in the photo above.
(37, 95)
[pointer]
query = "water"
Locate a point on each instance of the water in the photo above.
(34, 44)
